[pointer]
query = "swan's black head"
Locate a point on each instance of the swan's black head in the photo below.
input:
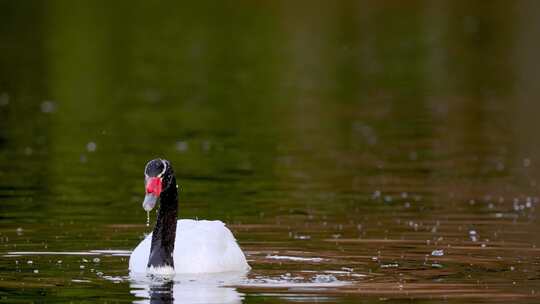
(158, 179)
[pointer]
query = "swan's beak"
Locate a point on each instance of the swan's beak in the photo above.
(149, 201)
(153, 191)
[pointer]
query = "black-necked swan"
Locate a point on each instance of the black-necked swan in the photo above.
(183, 246)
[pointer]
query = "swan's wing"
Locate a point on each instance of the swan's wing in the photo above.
(206, 246)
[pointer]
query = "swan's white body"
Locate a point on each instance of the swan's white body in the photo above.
(199, 247)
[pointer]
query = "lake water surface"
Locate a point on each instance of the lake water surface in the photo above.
(360, 152)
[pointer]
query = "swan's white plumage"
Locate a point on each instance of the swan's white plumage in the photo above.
(199, 247)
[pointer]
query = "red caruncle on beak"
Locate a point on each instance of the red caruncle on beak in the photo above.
(154, 186)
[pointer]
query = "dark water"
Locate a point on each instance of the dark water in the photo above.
(360, 151)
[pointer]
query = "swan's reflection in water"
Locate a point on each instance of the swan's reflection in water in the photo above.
(203, 288)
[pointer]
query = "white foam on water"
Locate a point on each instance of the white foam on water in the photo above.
(437, 252)
(78, 253)
(318, 281)
(113, 252)
(339, 272)
(281, 284)
(293, 258)
(23, 253)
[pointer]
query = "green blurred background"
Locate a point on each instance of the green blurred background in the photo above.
(236, 90)
(257, 101)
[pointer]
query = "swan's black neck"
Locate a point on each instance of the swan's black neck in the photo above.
(164, 234)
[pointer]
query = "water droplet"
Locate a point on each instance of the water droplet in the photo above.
(391, 265)
(48, 106)
(473, 235)
(181, 146)
(96, 260)
(91, 146)
(206, 145)
(36, 271)
(437, 252)
(28, 151)
(4, 99)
